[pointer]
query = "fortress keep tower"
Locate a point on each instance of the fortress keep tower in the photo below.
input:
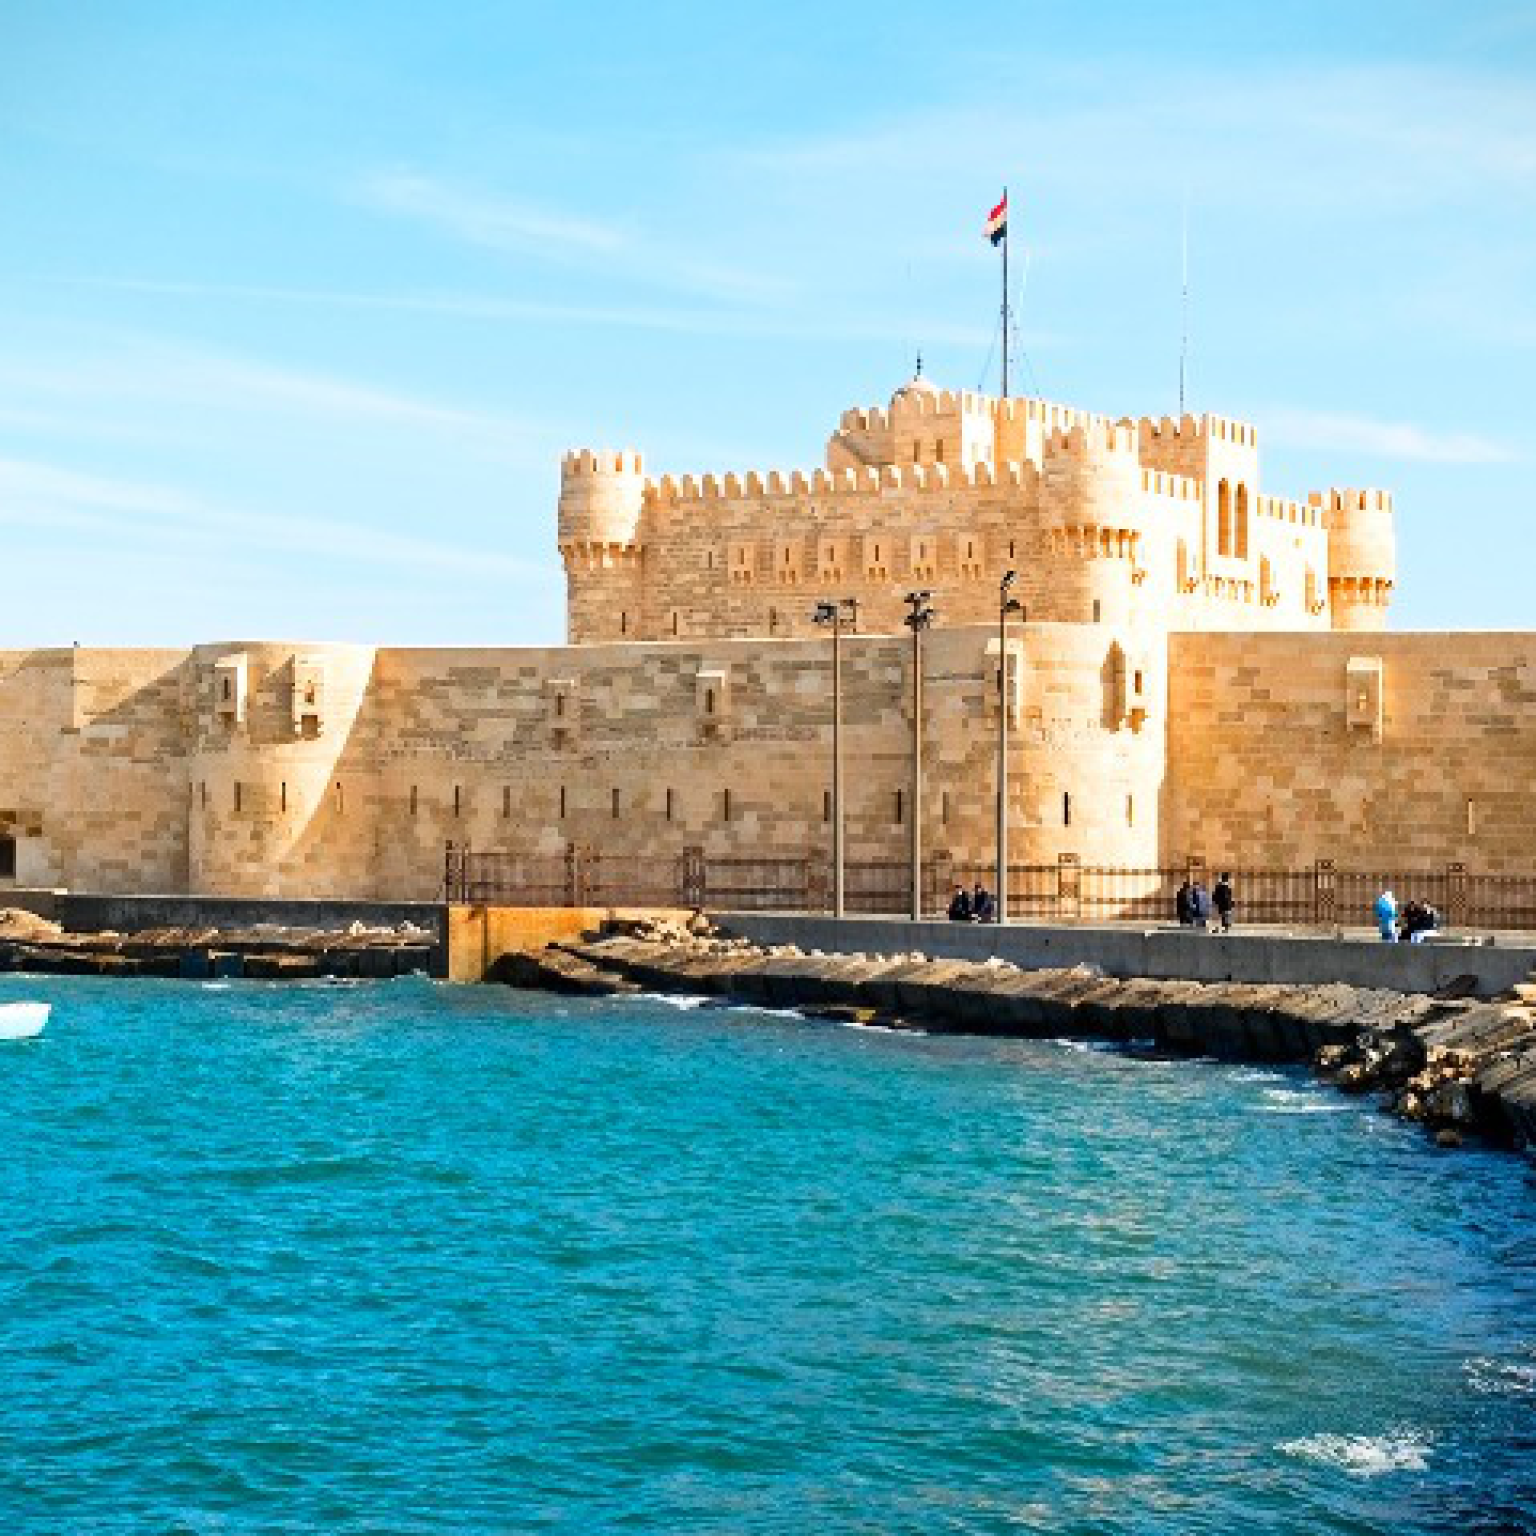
(1156, 526)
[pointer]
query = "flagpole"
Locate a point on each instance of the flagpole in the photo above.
(1005, 293)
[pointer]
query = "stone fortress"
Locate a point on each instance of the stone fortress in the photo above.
(1201, 670)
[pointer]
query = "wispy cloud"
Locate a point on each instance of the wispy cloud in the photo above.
(521, 229)
(704, 321)
(49, 497)
(136, 369)
(1389, 130)
(500, 224)
(1341, 432)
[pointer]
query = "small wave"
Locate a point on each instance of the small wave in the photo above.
(772, 1013)
(1297, 1101)
(684, 1001)
(881, 1029)
(1256, 1075)
(1505, 1378)
(1363, 1455)
(218, 986)
(1089, 1047)
(1145, 1052)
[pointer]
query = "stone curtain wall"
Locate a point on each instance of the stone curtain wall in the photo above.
(637, 752)
(130, 772)
(1273, 761)
(494, 761)
(93, 771)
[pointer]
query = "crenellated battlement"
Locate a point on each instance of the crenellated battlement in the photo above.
(602, 461)
(942, 402)
(824, 484)
(1199, 429)
(1351, 500)
(1098, 438)
(1160, 482)
(874, 418)
(1282, 509)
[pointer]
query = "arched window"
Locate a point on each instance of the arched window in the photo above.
(1240, 531)
(1223, 519)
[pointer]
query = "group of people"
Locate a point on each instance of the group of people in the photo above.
(1196, 907)
(972, 906)
(1411, 923)
(1211, 910)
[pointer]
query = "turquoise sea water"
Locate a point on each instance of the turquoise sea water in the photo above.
(396, 1257)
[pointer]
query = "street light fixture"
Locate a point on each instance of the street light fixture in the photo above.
(836, 613)
(1007, 604)
(919, 618)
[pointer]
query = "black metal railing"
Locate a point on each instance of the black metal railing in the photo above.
(1321, 895)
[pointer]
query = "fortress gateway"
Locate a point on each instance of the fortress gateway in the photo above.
(1200, 672)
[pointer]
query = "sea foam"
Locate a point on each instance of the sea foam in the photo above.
(1404, 1450)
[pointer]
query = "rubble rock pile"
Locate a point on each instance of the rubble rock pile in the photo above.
(1470, 1070)
(263, 952)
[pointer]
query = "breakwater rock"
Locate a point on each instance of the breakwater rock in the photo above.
(1457, 1065)
(29, 943)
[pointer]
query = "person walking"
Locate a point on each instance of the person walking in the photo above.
(1224, 899)
(983, 908)
(1200, 905)
(1183, 905)
(959, 906)
(1386, 917)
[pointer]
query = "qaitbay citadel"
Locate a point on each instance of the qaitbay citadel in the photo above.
(1200, 671)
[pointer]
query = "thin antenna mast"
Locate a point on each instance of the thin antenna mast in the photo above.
(1184, 304)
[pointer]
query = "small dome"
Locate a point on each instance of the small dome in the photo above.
(916, 385)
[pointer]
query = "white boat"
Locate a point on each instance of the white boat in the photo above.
(21, 1021)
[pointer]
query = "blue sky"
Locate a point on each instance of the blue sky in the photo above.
(299, 305)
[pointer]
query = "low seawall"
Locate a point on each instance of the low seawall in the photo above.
(1156, 954)
(477, 937)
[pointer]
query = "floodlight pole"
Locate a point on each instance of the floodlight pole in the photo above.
(917, 620)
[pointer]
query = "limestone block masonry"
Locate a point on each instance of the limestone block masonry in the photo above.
(1199, 672)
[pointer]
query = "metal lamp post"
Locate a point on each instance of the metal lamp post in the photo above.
(921, 615)
(836, 614)
(1007, 604)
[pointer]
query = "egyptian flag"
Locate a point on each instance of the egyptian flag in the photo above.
(997, 222)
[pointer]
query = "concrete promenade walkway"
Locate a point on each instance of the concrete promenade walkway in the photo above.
(1494, 962)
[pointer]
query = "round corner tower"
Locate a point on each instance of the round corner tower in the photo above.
(1092, 525)
(1362, 558)
(601, 497)
(281, 803)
